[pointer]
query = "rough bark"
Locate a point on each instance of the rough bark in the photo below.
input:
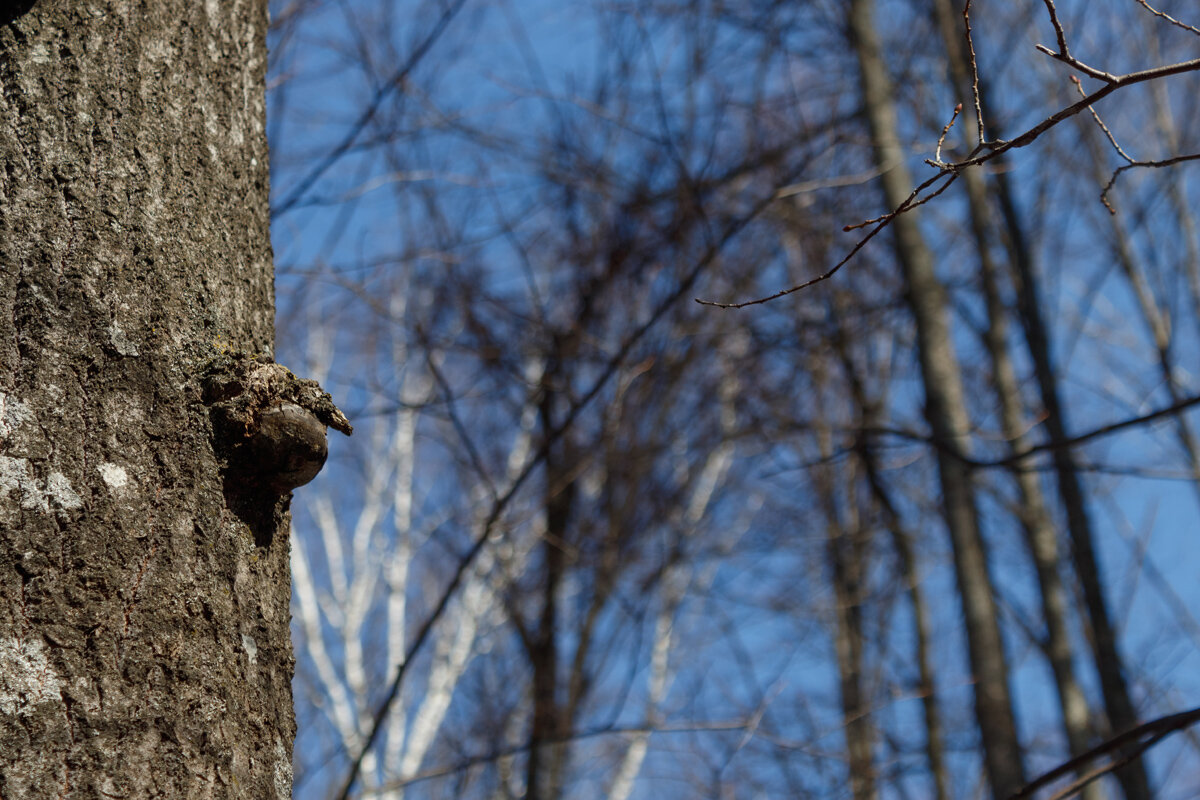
(947, 416)
(144, 647)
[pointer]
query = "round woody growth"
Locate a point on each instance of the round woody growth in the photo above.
(288, 449)
(268, 424)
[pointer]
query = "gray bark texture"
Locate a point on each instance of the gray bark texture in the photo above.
(144, 645)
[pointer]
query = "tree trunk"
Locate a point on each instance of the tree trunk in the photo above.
(1181, 208)
(1036, 521)
(547, 752)
(1117, 702)
(947, 416)
(902, 541)
(1156, 316)
(846, 540)
(145, 635)
(844, 548)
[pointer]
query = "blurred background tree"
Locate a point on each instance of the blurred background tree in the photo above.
(918, 530)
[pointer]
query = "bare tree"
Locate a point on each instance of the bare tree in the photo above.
(946, 412)
(1036, 521)
(597, 537)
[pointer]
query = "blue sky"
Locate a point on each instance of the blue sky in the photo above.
(520, 72)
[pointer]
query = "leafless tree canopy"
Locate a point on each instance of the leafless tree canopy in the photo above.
(916, 521)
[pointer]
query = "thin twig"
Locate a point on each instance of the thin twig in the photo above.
(591, 733)
(1075, 63)
(395, 81)
(980, 137)
(937, 153)
(1166, 162)
(1168, 17)
(880, 223)
(1059, 33)
(983, 153)
(456, 420)
(1118, 82)
(1073, 441)
(1096, 116)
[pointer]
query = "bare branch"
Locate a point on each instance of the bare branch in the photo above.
(646, 728)
(1166, 162)
(880, 223)
(1143, 736)
(1168, 17)
(985, 152)
(502, 501)
(1076, 64)
(1096, 116)
(393, 83)
(937, 154)
(1059, 33)
(1018, 457)
(980, 135)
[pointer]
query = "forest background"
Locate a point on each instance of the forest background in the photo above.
(594, 539)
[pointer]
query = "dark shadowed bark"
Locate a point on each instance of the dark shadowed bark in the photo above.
(945, 409)
(846, 563)
(145, 648)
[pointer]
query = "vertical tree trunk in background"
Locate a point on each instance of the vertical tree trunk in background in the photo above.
(145, 648)
(1035, 517)
(1117, 703)
(1155, 316)
(846, 538)
(902, 541)
(935, 750)
(947, 415)
(845, 553)
(547, 754)
(1181, 208)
